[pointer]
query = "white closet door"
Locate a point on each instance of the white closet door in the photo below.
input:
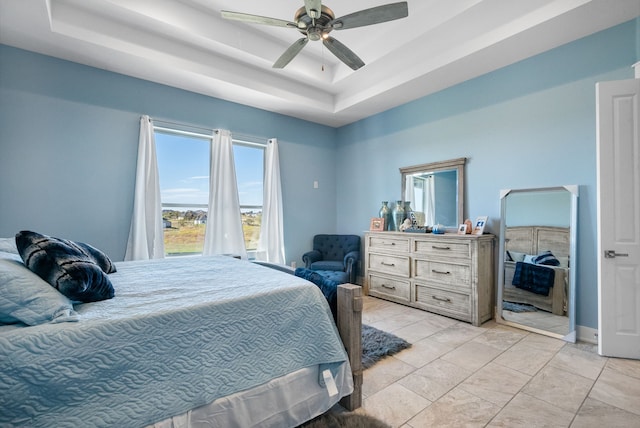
(618, 157)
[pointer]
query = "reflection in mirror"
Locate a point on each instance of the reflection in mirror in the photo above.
(536, 277)
(436, 192)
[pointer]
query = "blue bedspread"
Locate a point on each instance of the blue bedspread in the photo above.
(179, 333)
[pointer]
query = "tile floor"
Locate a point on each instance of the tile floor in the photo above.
(458, 375)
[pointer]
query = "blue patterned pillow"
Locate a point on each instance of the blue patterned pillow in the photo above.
(546, 258)
(75, 269)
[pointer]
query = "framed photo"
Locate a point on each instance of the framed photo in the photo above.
(478, 226)
(462, 229)
(377, 224)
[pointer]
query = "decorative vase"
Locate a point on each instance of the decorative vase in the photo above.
(408, 211)
(398, 215)
(469, 226)
(385, 213)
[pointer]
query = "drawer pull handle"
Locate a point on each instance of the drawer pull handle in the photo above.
(390, 287)
(387, 264)
(388, 243)
(440, 272)
(435, 247)
(441, 299)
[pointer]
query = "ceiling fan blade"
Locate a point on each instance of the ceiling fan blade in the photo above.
(290, 53)
(343, 53)
(256, 19)
(313, 7)
(374, 15)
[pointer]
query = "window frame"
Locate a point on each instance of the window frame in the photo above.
(245, 141)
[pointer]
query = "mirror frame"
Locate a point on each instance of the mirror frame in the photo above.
(573, 233)
(453, 164)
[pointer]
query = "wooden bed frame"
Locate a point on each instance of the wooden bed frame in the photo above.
(534, 240)
(350, 329)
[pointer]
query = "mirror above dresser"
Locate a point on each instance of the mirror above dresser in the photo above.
(436, 192)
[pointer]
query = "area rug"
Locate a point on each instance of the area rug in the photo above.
(344, 420)
(518, 307)
(378, 344)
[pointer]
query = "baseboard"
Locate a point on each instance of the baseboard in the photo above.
(587, 334)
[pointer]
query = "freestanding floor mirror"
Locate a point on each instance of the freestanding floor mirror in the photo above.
(537, 270)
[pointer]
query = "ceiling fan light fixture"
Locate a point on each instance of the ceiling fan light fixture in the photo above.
(315, 21)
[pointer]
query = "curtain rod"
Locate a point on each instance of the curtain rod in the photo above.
(242, 138)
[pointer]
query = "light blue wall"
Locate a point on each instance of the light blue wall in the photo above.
(68, 141)
(538, 208)
(68, 147)
(531, 124)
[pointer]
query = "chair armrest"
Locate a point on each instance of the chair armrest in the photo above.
(351, 264)
(350, 258)
(311, 257)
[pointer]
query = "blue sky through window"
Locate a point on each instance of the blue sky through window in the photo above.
(183, 164)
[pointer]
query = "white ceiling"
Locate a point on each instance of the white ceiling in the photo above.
(186, 44)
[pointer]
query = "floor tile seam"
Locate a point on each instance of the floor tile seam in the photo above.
(562, 408)
(405, 422)
(584, 400)
(448, 390)
(609, 404)
(617, 370)
(552, 365)
(507, 367)
(547, 402)
(531, 378)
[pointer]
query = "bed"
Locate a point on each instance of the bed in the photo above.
(521, 241)
(195, 341)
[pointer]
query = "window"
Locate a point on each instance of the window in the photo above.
(183, 166)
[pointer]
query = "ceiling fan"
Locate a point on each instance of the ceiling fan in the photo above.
(316, 21)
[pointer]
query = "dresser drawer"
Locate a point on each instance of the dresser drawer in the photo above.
(451, 274)
(443, 301)
(447, 248)
(387, 263)
(389, 287)
(397, 244)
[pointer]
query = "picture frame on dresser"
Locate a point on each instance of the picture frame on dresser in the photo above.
(376, 224)
(479, 225)
(462, 229)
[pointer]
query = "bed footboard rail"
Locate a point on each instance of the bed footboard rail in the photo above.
(350, 329)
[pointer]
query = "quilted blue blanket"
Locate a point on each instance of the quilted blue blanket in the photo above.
(180, 333)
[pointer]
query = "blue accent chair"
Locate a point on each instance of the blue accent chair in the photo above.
(335, 257)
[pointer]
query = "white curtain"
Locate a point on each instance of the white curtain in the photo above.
(271, 244)
(223, 233)
(430, 200)
(409, 191)
(146, 240)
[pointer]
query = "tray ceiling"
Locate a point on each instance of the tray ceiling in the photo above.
(186, 44)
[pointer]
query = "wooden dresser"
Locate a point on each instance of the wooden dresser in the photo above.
(449, 274)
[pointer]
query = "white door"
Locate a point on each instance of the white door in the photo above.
(618, 158)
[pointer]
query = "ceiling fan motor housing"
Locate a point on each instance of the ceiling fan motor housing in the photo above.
(314, 29)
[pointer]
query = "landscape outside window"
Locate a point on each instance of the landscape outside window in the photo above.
(183, 166)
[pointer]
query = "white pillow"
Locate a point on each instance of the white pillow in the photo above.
(8, 245)
(25, 297)
(515, 256)
(529, 258)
